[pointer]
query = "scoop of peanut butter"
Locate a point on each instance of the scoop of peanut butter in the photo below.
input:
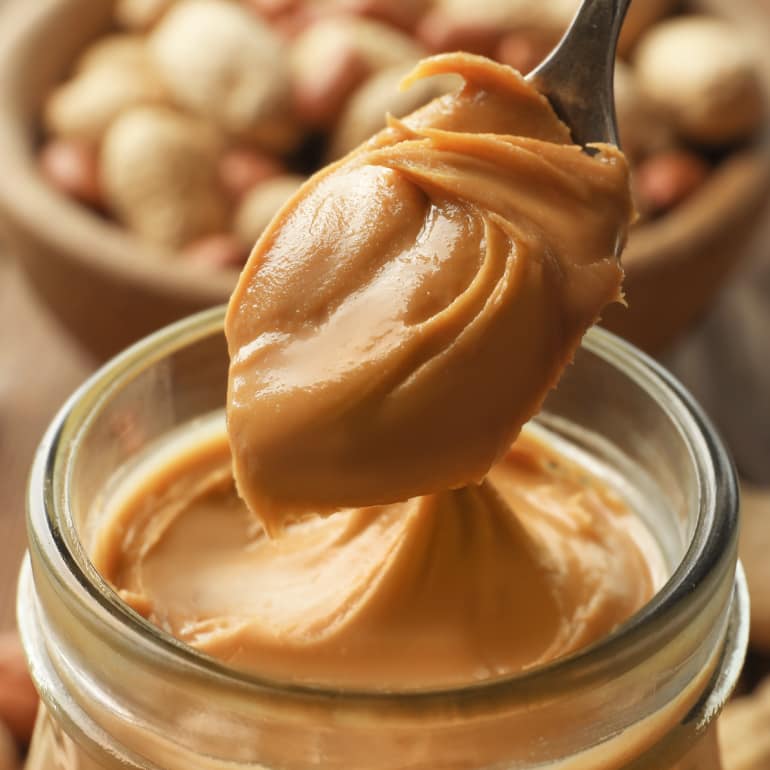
(410, 307)
(456, 587)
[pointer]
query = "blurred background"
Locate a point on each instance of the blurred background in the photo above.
(145, 144)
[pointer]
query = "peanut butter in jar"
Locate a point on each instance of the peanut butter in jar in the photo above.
(119, 691)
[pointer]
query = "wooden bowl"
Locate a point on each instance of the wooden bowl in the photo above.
(109, 288)
(105, 285)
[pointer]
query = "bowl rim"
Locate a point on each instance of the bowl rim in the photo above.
(28, 201)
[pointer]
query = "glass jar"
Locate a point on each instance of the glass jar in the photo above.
(119, 692)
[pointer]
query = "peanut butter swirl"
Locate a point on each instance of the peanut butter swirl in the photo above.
(409, 308)
(447, 589)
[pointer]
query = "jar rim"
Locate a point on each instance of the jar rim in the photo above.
(709, 555)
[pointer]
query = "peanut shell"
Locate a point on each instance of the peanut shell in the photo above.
(159, 171)
(112, 76)
(366, 109)
(333, 56)
(701, 72)
(259, 207)
(221, 62)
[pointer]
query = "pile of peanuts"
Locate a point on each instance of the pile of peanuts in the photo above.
(192, 121)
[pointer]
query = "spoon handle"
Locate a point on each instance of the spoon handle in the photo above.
(577, 75)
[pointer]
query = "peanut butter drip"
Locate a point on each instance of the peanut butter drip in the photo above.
(445, 589)
(410, 307)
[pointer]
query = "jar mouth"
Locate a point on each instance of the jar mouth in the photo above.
(709, 556)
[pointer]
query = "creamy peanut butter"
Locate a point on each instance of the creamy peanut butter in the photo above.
(396, 325)
(450, 588)
(409, 308)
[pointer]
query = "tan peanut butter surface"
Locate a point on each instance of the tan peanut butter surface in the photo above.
(396, 325)
(450, 588)
(409, 308)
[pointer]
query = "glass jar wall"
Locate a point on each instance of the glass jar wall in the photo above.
(118, 692)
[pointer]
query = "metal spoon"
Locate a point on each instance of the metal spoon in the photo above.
(577, 75)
